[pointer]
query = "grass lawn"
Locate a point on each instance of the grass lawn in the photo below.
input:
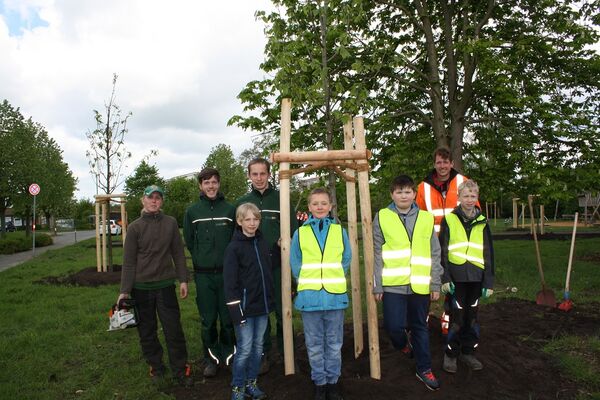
(54, 343)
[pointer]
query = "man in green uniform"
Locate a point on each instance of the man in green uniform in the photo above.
(207, 228)
(266, 198)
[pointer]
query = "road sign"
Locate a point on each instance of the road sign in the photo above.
(34, 189)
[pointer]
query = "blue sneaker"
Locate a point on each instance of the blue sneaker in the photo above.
(253, 391)
(238, 393)
(428, 379)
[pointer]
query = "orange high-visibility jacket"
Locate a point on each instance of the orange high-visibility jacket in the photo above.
(429, 198)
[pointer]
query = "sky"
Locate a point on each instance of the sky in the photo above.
(180, 67)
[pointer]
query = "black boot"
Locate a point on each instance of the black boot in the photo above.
(320, 392)
(333, 392)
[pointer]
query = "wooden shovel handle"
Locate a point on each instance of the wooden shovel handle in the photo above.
(535, 240)
(568, 281)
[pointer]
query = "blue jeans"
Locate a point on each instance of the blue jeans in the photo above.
(324, 335)
(408, 311)
(246, 361)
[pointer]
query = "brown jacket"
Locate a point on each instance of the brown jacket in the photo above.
(153, 245)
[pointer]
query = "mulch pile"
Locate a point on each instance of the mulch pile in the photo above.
(513, 333)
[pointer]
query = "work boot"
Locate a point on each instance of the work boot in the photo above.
(449, 364)
(264, 365)
(253, 391)
(428, 379)
(184, 378)
(210, 370)
(320, 392)
(471, 361)
(157, 375)
(238, 393)
(333, 392)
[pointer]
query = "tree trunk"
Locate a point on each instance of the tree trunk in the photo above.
(327, 100)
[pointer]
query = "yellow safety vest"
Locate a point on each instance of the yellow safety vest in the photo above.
(406, 261)
(463, 248)
(322, 269)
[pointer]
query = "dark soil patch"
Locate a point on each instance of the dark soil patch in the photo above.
(513, 333)
(86, 277)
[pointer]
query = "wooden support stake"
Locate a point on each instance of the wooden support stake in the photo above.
(286, 273)
(367, 236)
(103, 227)
(357, 320)
(98, 250)
(523, 216)
(312, 156)
(123, 223)
(515, 212)
(542, 230)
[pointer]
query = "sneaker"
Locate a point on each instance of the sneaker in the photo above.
(185, 378)
(210, 370)
(332, 392)
(264, 365)
(320, 392)
(471, 361)
(449, 364)
(238, 393)
(253, 391)
(407, 350)
(428, 379)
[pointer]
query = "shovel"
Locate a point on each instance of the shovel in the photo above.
(544, 297)
(567, 303)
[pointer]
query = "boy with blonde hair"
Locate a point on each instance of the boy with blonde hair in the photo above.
(320, 259)
(468, 261)
(248, 283)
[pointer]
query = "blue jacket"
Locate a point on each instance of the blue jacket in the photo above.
(319, 300)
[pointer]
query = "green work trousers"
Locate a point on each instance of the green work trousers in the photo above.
(210, 298)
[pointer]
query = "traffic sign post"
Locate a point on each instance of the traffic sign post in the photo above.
(34, 190)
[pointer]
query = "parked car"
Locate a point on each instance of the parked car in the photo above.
(10, 227)
(115, 229)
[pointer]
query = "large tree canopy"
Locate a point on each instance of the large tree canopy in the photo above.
(510, 87)
(31, 156)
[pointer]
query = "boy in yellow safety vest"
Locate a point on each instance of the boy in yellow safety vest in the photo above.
(320, 257)
(407, 274)
(468, 261)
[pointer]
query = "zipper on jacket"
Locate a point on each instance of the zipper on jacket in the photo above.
(262, 275)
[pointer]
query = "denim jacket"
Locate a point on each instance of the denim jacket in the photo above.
(319, 300)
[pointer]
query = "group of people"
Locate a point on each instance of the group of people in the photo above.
(430, 239)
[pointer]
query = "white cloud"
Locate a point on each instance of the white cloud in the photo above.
(181, 65)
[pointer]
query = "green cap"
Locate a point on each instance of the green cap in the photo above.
(153, 188)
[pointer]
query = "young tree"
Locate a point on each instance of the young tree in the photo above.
(233, 175)
(310, 54)
(107, 153)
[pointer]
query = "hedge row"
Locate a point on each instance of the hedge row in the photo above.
(10, 244)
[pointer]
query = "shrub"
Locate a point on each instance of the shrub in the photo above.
(16, 244)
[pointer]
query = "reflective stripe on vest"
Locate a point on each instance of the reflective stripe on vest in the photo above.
(322, 269)
(463, 248)
(437, 208)
(406, 262)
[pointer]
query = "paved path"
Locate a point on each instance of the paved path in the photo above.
(63, 239)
